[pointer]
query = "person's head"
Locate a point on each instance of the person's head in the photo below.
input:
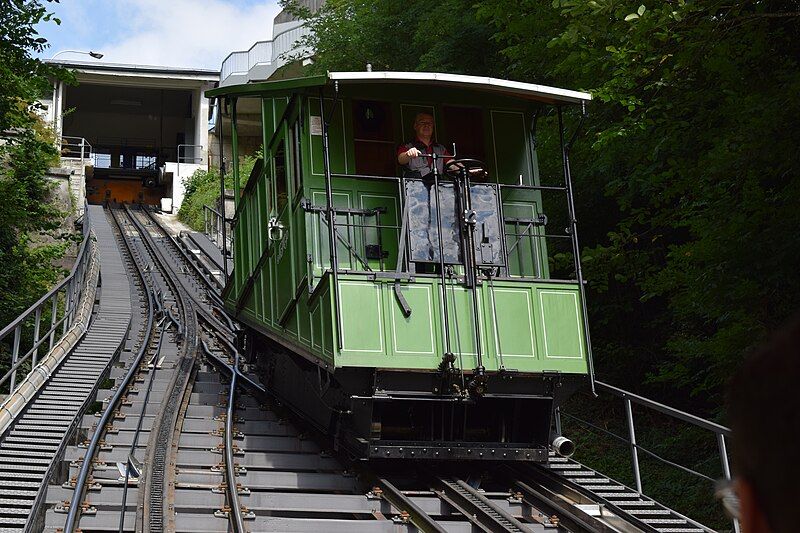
(423, 126)
(765, 420)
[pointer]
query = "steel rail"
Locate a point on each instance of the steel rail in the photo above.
(77, 495)
(135, 442)
(235, 513)
(554, 503)
(418, 516)
(478, 509)
(247, 382)
(163, 433)
(217, 305)
(209, 284)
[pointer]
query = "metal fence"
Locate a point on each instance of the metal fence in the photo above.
(75, 148)
(56, 310)
(629, 399)
(212, 222)
(272, 52)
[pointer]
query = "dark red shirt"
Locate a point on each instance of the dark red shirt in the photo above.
(426, 149)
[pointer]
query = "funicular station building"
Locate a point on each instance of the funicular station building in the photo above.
(131, 133)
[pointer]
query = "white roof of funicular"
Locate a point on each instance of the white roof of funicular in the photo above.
(517, 88)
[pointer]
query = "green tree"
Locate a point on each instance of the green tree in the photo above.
(202, 188)
(686, 177)
(26, 152)
(434, 35)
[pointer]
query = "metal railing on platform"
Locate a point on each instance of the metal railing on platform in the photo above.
(56, 309)
(212, 224)
(76, 148)
(629, 399)
(272, 52)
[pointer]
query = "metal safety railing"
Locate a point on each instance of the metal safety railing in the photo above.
(75, 148)
(272, 53)
(195, 158)
(629, 399)
(213, 227)
(22, 340)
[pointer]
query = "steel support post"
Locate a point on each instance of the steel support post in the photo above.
(557, 419)
(573, 225)
(15, 355)
(36, 328)
(235, 153)
(222, 191)
(726, 468)
(331, 213)
(53, 320)
(634, 451)
(65, 322)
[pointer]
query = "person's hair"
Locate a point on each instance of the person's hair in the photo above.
(765, 420)
(421, 114)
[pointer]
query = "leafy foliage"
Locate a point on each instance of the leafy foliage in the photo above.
(687, 181)
(26, 152)
(686, 177)
(202, 188)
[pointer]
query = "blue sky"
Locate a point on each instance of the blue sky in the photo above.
(186, 33)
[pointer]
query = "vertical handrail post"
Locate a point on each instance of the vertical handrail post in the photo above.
(67, 305)
(726, 468)
(15, 355)
(331, 212)
(573, 231)
(557, 419)
(36, 329)
(222, 208)
(634, 451)
(65, 292)
(53, 319)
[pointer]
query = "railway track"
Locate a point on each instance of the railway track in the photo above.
(190, 441)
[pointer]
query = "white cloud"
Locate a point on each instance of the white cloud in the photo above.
(187, 33)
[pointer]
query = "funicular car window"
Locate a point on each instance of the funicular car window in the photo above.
(297, 175)
(373, 140)
(488, 236)
(464, 127)
(422, 226)
(281, 195)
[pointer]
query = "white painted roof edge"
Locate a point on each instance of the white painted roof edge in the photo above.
(474, 81)
(99, 67)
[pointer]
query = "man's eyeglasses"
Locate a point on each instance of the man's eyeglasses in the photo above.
(725, 492)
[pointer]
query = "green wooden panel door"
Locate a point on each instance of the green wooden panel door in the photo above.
(562, 330)
(414, 336)
(513, 326)
(463, 327)
(362, 324)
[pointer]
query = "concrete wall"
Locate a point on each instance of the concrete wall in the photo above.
(181, 172)
(247, 146)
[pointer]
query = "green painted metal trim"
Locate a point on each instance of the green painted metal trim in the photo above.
(257, 89)
(235, 154)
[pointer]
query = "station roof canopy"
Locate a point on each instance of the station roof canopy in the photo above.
(526, 91)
